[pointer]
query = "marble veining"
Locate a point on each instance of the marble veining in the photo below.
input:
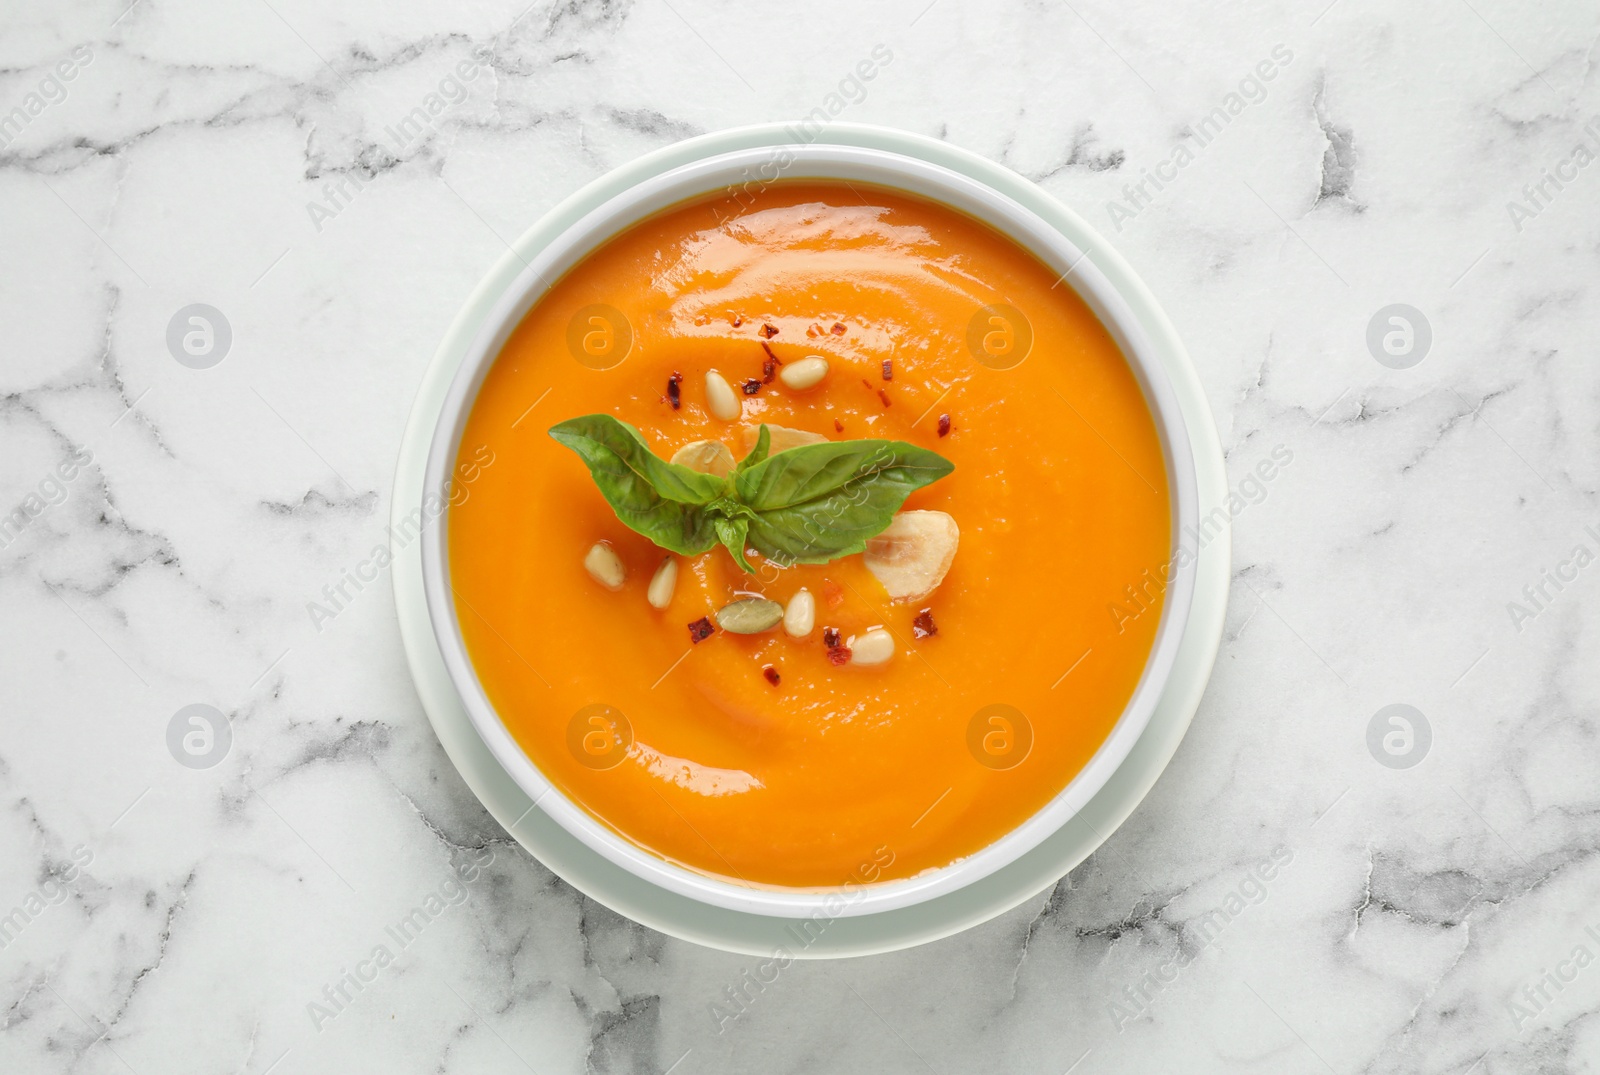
(331, 181)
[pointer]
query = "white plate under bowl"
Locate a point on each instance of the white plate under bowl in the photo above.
(895, 914)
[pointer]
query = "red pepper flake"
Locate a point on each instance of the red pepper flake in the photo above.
(700, 630)
(839, 655)
(883, 395)
(769, 365)
(888, 369)
(923, 626)
(737, 321)
(752, 386)
(832, 593)
(838, 426)
(830, 637)
(944, 425)
(771, 673)
(675, 390)
(769, 331)
(838, 328)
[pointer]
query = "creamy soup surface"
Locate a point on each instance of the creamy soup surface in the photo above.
(835, 773)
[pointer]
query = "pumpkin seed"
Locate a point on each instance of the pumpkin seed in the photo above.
(749, 616)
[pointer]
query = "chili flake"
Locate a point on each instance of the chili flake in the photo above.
(769, 331)
(700, 630)
(944, 425)
(830, 637)
(883, 396)
(923, 626)
(838, 328)
(675, 390)
(771, 673)
(752, 386)
(888, 369)
(838, 426)
(839, 654)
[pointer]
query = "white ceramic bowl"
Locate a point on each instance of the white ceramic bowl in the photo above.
(800, 162)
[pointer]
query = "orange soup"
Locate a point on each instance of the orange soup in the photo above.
(767, 758)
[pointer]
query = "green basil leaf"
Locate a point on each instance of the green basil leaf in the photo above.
(732, 532)
(661, 500)
(758, 453)
(817, 502)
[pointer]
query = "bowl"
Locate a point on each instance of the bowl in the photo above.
(761, 165)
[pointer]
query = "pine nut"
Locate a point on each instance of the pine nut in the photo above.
(663, 583)
(605, 566)
(801, 615)
(720, 398)
(806, 373)
(707, 456)
(749, 616)
(874, 647)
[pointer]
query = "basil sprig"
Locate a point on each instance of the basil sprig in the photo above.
(805, 505)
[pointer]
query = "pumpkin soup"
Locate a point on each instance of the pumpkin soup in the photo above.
(826, 528)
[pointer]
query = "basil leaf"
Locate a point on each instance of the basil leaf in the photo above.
(600, 436)
(732, 532)
(661, 500)
(758, 453)
(817, 502)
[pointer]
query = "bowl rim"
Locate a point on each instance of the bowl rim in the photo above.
(710, 175)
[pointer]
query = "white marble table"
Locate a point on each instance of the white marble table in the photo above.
(176, 523)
